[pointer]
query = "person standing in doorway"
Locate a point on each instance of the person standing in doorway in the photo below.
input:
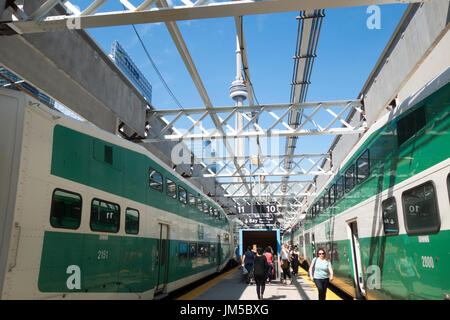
(284, 263)
(260, 267)
(295, 263)
(321, 272)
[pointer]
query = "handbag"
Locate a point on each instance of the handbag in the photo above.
(244, 271)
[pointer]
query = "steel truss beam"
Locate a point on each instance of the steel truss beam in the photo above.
(40, 21)
(264, 190)
(278, 126)
(270, 166)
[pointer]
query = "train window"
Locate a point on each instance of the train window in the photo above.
(199, 204)
(192, 250)
(211, 211)
(205, 208)
(339, 187)
(390, 220)
(325, 199)
(109, 154)
(350, 178)
(201, 250)
(182, 195)
(105, 216)
(191, 199)
(155, 179)
(216, 213)
(65, 211)
(182, 250)
(332, 194)
(362, 167)
(307, 239)
(212, 251)
(420, 209)
(131, 221)
(409, 125)
(171, 188)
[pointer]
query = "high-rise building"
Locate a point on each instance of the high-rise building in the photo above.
(123, 60)
(209, 151)
(20, 82)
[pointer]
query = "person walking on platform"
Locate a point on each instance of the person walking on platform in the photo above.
(269, 258)
(284, 262)
(260, 267)
(248, 259)
(295, 262)
(321, 272)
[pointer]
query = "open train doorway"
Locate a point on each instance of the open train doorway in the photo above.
(360, 291)
(162, 258)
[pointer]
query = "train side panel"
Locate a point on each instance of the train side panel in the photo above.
(11, 128)
(61, 256)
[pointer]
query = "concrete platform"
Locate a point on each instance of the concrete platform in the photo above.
(231, 286)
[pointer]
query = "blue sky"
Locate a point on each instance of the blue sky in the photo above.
(346, 54)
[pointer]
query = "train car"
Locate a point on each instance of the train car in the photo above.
(85, 214)
(384, 217)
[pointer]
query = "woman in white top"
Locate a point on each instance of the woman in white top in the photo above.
(284, 261)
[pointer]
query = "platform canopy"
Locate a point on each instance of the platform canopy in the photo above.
(269, 168)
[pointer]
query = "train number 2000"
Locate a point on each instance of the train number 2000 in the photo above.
(427, 262)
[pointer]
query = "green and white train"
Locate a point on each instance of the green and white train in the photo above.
(85, 214)
(384, 217)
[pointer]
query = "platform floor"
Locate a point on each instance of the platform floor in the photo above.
(231, 286)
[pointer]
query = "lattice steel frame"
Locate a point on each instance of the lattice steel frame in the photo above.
(150, 11)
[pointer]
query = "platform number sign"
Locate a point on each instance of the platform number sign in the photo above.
(257, 208)
(271, 208)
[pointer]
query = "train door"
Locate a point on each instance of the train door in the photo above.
(360, 291)
(219, 251)
(313, 245)
(162, 257)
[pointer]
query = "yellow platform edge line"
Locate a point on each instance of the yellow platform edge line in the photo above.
(191, 295)
(330, 294)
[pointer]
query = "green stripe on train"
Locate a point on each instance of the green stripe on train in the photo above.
(407, 269)
(74, 262)
(102, 165)
(396, 267)
(390, 164)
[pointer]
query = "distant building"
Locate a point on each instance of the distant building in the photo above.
(204, 149)
(209, 152)
(124, 62)
(18, 81)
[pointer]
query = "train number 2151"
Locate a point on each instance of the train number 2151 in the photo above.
(102, 254)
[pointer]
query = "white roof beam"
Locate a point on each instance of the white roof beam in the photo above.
(178, 13)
